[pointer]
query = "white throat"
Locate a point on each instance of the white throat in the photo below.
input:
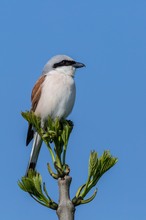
(67, 70)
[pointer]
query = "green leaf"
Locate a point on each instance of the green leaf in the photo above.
(97, 167)
(84, 201)
(38, 183)
(54, 175)
(80, 190)
(45, 190)
(57, 124)
(107, 161)
(25, 115)
(21, 185)
(29, 185)
(93, 163)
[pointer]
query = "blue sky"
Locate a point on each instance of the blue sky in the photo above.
(110, 109)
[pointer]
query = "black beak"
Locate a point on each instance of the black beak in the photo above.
(78, 65)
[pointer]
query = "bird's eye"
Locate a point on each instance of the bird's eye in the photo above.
(63, 62)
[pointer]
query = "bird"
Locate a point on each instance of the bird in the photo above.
(53, 95)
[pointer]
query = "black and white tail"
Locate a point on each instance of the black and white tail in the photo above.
(37, 142)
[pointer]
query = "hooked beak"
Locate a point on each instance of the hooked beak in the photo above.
(78, 65)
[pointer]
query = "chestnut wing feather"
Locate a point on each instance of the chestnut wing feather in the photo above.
(36, 92)
(35, 96)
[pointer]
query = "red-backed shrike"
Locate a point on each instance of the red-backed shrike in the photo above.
(53, 95)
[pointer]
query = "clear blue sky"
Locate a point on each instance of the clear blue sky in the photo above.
(110, 110)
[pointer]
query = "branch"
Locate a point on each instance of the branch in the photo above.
(55, 135)
(66, 209)
(97, 167)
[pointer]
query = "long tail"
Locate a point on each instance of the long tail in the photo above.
(37, 142)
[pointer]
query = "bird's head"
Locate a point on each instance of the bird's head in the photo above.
(62, 63)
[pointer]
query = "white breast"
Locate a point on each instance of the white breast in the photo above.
(57, 96)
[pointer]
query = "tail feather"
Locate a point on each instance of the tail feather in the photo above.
(30, 134)
(34, 152)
